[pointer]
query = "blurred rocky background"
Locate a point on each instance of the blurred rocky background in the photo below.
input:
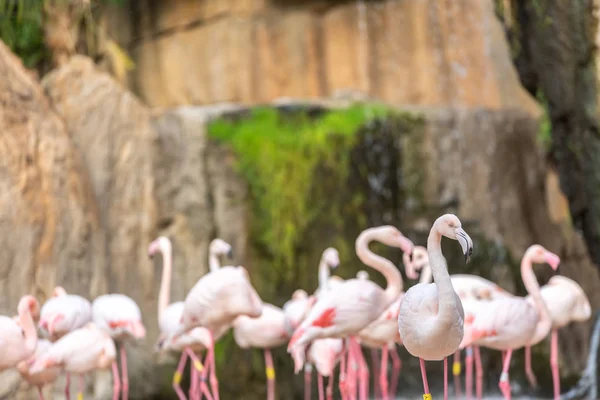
(118, 119)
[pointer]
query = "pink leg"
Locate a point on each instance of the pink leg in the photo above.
(116, 383)
(424, 376)
(396, 366)
(554, 363)
(376, 372)
(363, 371)
(456, 369)
(81, 387)
(214, 382)
(124, 378)
(342, 383)
(383, 373)
(307, 381)
(445, 378)
(194, 378)
(270, 371)
(67, 388)
(504, 383)
(469, 373)
(478, 374)
(528, 371)
(320, 386)
(351, 368)
(177, 376)
(40, 393)
(197, 365)
(329, 393)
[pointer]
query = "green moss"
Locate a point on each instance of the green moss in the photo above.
(279, 154)
(545, 130)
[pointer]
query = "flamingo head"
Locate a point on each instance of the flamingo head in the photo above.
(59, 291)
(331, 257)
(220, 247)
(391, 236)
(450, 226)
(362, 274)
(161, 244)
(539, 255)
(418, 260)
(29, 304)
(299, 294)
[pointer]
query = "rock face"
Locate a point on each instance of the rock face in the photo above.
(254, 51)
(50, 222)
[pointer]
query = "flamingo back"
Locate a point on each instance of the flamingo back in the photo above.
(384, 329)
(219, 297)
(118, 315)
(64, 314)
(566, 301)
(41, 378)
(12, 343)
(267, 331)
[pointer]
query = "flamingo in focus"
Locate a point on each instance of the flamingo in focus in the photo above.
(169, 318)
(18, 336)
(510, 323)
(214, 302)
(352, 304)
(471, 290)
(40, 379)
(566, 302)
(431, 316)
(120, 317)
(80, 352)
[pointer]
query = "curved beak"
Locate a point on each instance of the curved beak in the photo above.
(552, 259)
(465, 243)
(230, 254)
(406, 245)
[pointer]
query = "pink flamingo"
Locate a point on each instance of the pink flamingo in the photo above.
(40, 379)
(297, 308)
(214, 302)
(18, 336)
(80, 352)
(354, 303)
(321, 351)
(121, 318)
(64, 313)
(431, 316)
(265, 332)
(566, 302)
(169, 318)
(383, 334)
(510, 323)
(472, 290)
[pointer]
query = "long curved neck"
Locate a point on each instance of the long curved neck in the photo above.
(533, 288)
(381, 264)
(165, 283)
(213, 261)
(439, 269)
(324, 274)
(425, 274)
(28, 326)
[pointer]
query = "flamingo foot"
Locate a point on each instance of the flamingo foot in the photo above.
(504, 386)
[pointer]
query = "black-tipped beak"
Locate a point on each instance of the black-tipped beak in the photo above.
(230, 254)
(465, 243)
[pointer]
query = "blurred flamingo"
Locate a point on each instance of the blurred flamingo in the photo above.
(80, 352)
(18, 336)
(353, 304)
(214, 302)
(120, 317)
(511, 322)
(40, 379)
(431, 316)
(169, 318)
(566, 302)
